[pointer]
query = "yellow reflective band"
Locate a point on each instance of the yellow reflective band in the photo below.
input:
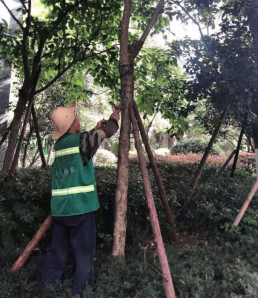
(72, 190)
(67, 151)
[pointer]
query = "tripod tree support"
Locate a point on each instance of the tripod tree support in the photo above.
(167, 279)
(246, 204)
(226, 163)
(36, 126)
(31, 246)
(207, 151)
(155, 170)
(238, 148)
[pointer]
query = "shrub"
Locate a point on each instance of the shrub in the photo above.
(103, 156)
(162, 151)
(191, 146)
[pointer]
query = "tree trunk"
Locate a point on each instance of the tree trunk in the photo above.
(226, 163)
(238, 149)
(33, 243)
(38, 136)
(21, 105)
(246, 204)
(127, 55)
(17, 152)
(120, 224)
(207, 151)
(126, 74)
(167, 279)
(155, 170)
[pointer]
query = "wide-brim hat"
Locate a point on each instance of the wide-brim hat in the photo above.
(63, 117)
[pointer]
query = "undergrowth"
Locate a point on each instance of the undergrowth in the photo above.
(224, 267)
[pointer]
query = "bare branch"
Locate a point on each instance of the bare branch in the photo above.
(145, 34)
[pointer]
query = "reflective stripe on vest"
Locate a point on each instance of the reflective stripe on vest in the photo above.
(67, 151)
(72, 190)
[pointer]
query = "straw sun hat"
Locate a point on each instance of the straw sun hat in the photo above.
(63, 118)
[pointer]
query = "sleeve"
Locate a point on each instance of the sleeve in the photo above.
(89, 142)
(110, 127)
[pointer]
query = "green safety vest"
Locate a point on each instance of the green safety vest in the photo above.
(73, 185)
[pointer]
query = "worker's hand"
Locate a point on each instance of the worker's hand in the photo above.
(99, 124)
(115, 115)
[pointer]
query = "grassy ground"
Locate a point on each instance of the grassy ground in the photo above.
(212, 259)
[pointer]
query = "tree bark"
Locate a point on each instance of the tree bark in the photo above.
(246, 204)
(127, 55)
(155, 170)
(21, 105)
(207, 151)
(38, 136)
(167, 279)
(226, 163)
(238, 149)
(126, 74)
(33, 243)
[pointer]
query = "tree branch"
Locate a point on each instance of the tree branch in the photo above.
(145, 34)
(12, 15)
(65, 69)
(124, 32)
(192, 18)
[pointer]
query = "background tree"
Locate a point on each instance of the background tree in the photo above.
(70, 35)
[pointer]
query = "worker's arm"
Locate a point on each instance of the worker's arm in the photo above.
(91, 141)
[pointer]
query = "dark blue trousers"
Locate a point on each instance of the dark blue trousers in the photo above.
(79, 231)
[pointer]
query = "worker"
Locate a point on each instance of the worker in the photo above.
(74, 196)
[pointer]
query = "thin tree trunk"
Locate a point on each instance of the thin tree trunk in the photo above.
(126, 74)
(49, 155)
(17, 152)
(207, 151)
(226, 163)
(246, 204)
(38, 136)
(238, 149)
(155, 170)
(127, 55)
(33, 243)
(21, 105)
(167, 279)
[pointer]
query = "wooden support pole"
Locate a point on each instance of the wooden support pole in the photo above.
(18, 148)
(238, 148)
(167, 279)
(155, 170)
(246, 204)
(36, 126)
(33, 243)
(207, 151)
(226, 163)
